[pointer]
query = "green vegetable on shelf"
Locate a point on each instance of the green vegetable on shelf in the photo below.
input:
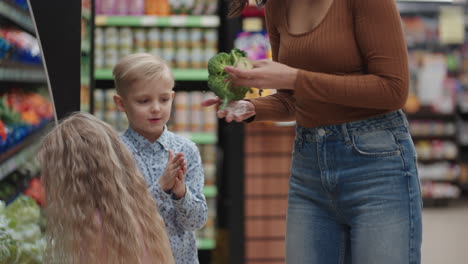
(218, 79)
(7, 114)
(23, 210)
(32, 253)
(21, 240)
(8, 247)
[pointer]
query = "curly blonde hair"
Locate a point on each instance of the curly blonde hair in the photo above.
(98, 207)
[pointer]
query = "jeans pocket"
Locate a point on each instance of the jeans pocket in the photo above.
(378, 143)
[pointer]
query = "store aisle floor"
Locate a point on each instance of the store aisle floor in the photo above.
(445, 234)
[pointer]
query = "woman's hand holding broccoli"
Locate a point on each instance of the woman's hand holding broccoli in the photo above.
(174, 168)
(266, 74)
(231, 76)
(235, 111)
(218, 79)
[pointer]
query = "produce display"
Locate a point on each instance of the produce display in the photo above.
(21, 238)
(22, 4)
(25, 108)
(218, 80)
(22, 113)
(19, 46)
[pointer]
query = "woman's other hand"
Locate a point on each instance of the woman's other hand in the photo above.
(266, 74)
(235, 111)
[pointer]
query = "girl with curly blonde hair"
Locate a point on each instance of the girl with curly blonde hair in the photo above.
(98, 207)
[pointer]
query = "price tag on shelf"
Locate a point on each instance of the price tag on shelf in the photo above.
(100, 20)
(209, 21)
(149, 21)
(252, 24)
(178, 21)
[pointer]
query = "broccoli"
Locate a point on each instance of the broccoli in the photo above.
(218, 80)
(217, 63)
(21, 241)
(8, 249)
(23, 210)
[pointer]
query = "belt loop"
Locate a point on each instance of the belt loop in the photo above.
(299, 140)
(344, 130)
(299, 132)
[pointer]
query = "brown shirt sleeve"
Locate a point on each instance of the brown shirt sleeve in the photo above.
(279, 106)
(379, 35)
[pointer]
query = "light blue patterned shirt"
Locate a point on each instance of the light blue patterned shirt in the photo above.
(184, 216)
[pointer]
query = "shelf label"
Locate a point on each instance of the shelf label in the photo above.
(209, 21)
(149, 21)
(100, 20)
(178, 21)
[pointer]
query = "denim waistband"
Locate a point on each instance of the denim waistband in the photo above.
(389, 120)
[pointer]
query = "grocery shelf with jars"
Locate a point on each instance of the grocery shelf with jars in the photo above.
(86, 55)
(186, 36)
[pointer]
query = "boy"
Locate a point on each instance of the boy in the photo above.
(144, 86)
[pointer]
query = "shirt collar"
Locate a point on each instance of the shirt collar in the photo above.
(140, 143)
(165, 139)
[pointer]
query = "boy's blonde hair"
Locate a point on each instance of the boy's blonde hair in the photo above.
(139, 66)
(97, 203)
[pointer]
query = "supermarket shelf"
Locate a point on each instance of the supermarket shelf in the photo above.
(431, 161)
(86, 13)
(434, 137)
(206, 244)
(436, 202)
(423, 6)
(179, 74)
(158, 21)
(21, 153)
(17, 15)
(426, 113)
(200, 137)
(84, 80)
(453, 180)
(22, 73)
(85, 46)
(210, 191)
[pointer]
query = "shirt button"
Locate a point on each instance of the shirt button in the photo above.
(321, 132)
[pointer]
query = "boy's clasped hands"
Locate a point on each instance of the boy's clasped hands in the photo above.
(173, 178)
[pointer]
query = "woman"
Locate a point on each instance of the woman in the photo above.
(98, 207)
(340, 68)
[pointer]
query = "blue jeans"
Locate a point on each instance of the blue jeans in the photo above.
(354, 194)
